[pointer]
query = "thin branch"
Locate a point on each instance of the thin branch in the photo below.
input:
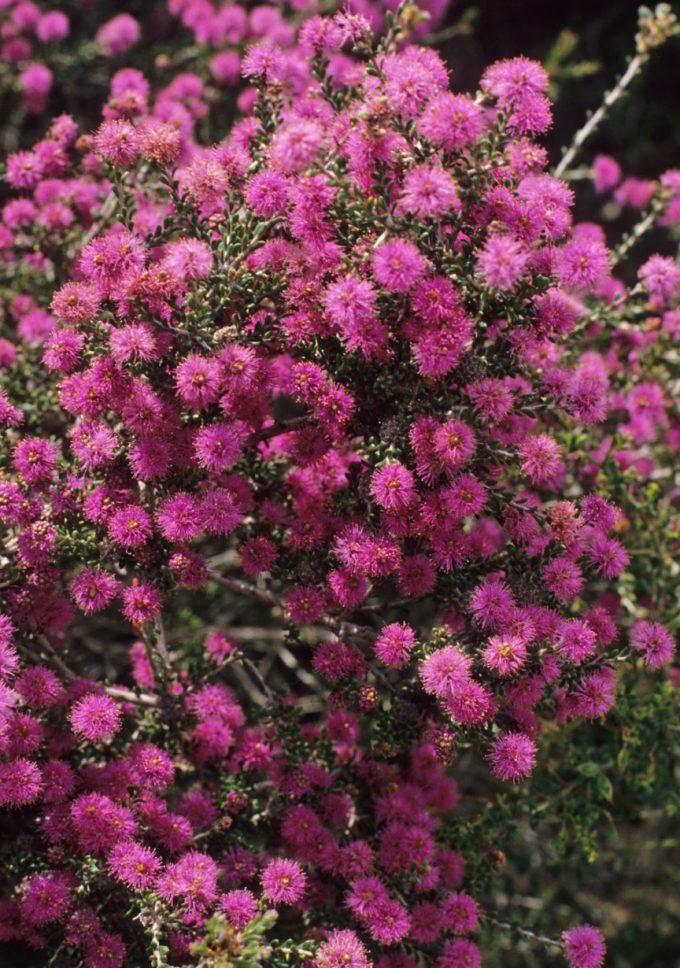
(544, 939)
(655, 27)
(595, 119)
(341, 628)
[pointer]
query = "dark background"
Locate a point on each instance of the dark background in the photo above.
(643, 131)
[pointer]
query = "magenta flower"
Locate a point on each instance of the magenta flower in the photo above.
(445, 671)
(134, 865)
(451, 121)
(130, 526)
(94, 589)
(343, 949)
(95, 718)
(654, 642)
(397, 265)
(141, 602)
(459, 913)
(192, 880)
(582, 263)
(283, 881)
(584, 947)
(512, 756)
(503, 261)
(117, 141)
(218, 447)
(20, 782)
(240, 907)
(459, 953)
(47, 898)
(429, 192)
(393, 487)
(505, 654)
(541, 458)
(394, 644)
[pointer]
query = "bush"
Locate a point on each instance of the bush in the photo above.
(339, 515)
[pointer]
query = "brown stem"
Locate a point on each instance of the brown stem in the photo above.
(339, 626)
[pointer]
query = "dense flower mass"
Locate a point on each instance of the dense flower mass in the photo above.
(354, 368)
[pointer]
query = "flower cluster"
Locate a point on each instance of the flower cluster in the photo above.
(357, 364)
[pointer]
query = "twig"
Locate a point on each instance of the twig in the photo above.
(639, 229)
(341, 628)
(56, 659)
(544, 939)
(610, 98)
(654, 28)
(272, 699)
(127, 695)
(116, 692)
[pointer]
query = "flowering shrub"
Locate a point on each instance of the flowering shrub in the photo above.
(357, 365)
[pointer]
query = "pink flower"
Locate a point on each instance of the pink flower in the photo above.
(512, 756)
(429, 192)
(178, 517)
(451, 121)
(393, 487)
(296, 143)
(35, 459)
(349, 302)
(192, 880)
(608, 556)
(262, 61)
(95, 718)
(397, 265)
(219, 512)
(240, 907)
(46, 898)
(218, 447)
(198, 381)
(460, 953)
(445, 671)
(118, 142)
(563, 578)
(512, 80)
(505, 654)
(283, 881)
(394, 644)
(153, 765)
(160, 142)
(118, 34)
(660, 276)
(343, 949)
(20, 782)
(94, 589)
(268, 193)
(541, 458)
(502, 261)
(459, 913)
(582, 263)
(188, 259)
(606, 172)
(141, 602)
(206, 180)
(134, 865)
(595, 694)
(130, 526)
(584, 947)
(575, 640)
(258, 555)
(654, 642)
(491, 602)
(389, 923)
(52, 26)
